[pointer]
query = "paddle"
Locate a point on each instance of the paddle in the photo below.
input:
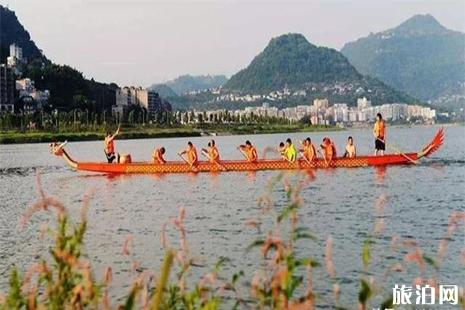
(306, 160)
(397, 150)
(324, 157)
(187, 162)
(303, 156)
(217, 163)
(287, 159)
(243, 153)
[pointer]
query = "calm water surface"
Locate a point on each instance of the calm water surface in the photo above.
(339, 202)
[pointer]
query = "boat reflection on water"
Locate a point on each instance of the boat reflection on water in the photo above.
(380, 174)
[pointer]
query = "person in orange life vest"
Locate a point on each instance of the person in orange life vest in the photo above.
(212, 152)
(157, 156)
(308, 150)
(379, 132)
(110, 146)
(249, 151)
(191, 152)
(329, 149)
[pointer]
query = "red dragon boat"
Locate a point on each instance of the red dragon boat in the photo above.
(241, 165)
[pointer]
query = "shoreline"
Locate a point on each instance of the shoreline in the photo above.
(17, 137)
(150, 133)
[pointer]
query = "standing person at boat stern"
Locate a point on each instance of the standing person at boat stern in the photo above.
(379, 131)
(110, 146)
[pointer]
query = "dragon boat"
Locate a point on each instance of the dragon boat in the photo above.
(398, 158)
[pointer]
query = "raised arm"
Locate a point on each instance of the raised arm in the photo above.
(115, 134)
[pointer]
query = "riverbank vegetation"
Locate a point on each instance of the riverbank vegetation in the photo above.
(85, 133)
(284, 280)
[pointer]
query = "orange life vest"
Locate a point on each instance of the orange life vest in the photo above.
(192, 155)
(251, 154)
(329, 150)
(310, 152)
(380, 128)
(158, 157)
(109, 145)
(213, 154)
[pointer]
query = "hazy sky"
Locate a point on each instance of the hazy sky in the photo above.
(139, 42)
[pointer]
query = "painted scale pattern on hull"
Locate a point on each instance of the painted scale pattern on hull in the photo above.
(180, 167)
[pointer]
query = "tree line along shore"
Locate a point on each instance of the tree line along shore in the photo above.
(147, 132)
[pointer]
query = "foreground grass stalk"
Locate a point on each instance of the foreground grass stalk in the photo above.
(163, 280)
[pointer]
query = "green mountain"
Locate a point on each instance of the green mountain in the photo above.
(69, 89)
(420, 57)
(293, 62)
(11, 31)
(163, 90)
(188, 83)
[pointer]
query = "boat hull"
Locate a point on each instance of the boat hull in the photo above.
(238, 165)
(181, 167)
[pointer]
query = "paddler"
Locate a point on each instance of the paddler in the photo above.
(191, 152)
(110, 145)
(379, 131)
(212, 152)
(350, 148)
(249, 151)
(290, 154)
(158, 154)
(329, 149)
(282, 149)
(308, 150)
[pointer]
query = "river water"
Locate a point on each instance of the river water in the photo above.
(340, 203)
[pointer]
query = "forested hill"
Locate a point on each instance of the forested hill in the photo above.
(188, 83)
(290, 61)
(420, 57)
(11, 31)
(68, 87)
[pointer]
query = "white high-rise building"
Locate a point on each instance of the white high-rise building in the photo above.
(130, 96)
(363, 103)
(16, 51)
(321, 104)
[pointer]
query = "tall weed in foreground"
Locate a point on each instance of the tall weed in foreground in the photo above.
(284, 279)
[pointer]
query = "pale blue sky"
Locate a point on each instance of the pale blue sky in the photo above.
(138, 42)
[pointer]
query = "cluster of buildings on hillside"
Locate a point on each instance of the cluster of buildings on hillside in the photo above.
(338, 88)
(321, 112)
(22, 91)
(271, 96)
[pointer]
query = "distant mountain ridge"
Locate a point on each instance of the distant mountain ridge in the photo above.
(420, 57)
(290, 61)
(188, 83)
(11, 31)
(163, 90)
